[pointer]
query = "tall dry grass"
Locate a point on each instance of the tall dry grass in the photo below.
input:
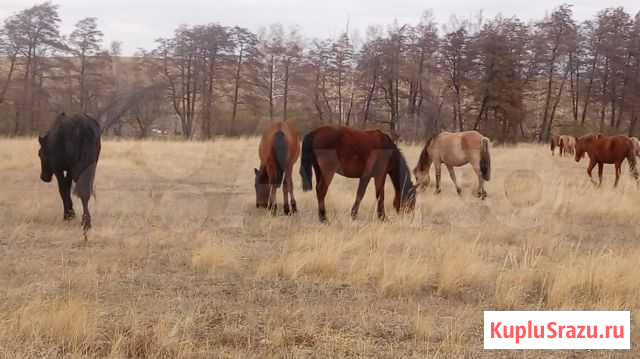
(180, 263)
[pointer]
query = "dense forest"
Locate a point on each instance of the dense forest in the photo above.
(513, 80)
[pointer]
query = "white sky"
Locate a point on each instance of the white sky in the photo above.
(137, 23)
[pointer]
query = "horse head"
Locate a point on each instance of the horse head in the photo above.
(262, 187)
(405, 202)
(581, 145)
(421, 171)
(46, 173)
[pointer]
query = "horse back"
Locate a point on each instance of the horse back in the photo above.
(74, 141)
(611, 149)
(457, 148)
(267, 141)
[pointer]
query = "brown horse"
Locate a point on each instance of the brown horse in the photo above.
(356, 154)
(606, 149)
(455, 150)
(279, 150)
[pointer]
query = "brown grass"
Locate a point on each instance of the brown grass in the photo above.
(181, 264)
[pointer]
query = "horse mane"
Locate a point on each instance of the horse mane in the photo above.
(430, 139)
(402, 182)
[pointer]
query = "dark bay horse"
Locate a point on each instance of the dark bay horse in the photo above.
(279, 149)
(607, 149)
(455, 150)
(356, 154)
(70, 151)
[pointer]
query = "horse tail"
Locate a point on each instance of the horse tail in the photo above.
(485, 160)
(306, 162)
(280, 149)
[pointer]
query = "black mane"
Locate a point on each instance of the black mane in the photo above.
(400, 173)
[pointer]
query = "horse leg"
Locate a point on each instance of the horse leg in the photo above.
(289, 188)
(272, 204)
(379, 184)
(362, 188)
(615, 184)
(285, 195)
(592, 164)
(86, 216)
(452, 174)
(480, 193)
(322, 186)
(64, 187)
(600, 168)
(438, 175)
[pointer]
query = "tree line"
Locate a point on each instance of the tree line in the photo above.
(511, 79)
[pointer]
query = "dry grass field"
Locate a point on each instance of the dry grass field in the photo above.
(181, 264)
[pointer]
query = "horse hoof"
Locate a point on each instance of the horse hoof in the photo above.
(294, 208)
(86, 225)
(286, 210)
(438, 191)
(69, 215)
(459, 190)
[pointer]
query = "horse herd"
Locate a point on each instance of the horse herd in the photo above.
(71, 148)
(364, 155)
(602, 150)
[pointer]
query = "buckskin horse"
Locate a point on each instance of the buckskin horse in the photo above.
(455, 150)
(636, 145)
(607, 149)
(70, 151)
(567, 145)
(279, 149)
(356, 154)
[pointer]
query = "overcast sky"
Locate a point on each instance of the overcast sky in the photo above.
(137, 23)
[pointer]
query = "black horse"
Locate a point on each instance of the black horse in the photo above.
(70, 151)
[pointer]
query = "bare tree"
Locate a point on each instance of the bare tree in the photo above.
(85, 42)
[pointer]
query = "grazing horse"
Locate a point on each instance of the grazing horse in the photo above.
(279, 149)
(555, 142)
(636, 145)
(356, 154)
(70, 151)
(455, 150)
(606, 149)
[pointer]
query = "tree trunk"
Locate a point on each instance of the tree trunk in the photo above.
(236, 91)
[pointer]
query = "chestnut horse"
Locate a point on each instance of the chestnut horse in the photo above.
(607, 149)
(279, 150)
(356, 154)
(455, 150)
